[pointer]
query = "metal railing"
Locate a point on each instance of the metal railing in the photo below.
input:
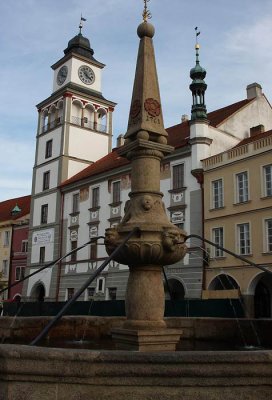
(85, 123)
(52, 124)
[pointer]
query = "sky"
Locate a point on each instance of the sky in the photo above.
(235, 50)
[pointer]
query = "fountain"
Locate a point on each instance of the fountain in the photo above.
(29, 372)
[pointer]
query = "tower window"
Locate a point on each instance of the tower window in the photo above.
(46, 180)
(44, 213)
(42, 255)
(48, 148)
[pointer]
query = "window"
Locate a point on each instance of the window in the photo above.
(178, 176)
(95, 197)
(19, 273)
(90, 293)
(268, 234)
(241, 187)
(267, 180)
(73, 247)
(44, 213)
(6, 238)
(46, 180)
(116, 192)
(75, 208)
(48, 148)
(218, 238)
(100, 285)
(24, 246)
(5, 268)
(243, 239)
(42, 255)
(93, 255)
(70, 293)
(217, 193)
(112, 293)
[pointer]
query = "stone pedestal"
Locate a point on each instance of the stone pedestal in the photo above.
(146, 340)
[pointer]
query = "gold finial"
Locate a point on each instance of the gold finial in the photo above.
(146, 13)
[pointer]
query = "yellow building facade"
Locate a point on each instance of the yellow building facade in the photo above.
(238, 217)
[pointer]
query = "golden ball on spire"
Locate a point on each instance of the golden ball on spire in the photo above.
(145, 29)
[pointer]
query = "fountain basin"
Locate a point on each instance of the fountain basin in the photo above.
(44, 373)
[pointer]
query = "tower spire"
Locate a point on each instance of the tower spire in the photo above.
(198, 86)
(145, 117)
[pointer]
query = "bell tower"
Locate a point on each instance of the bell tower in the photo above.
(74, 130)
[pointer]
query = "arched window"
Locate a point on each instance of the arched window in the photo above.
(88, 120)
(101, 120)
(77, 107)
(59, 116)
(52, 116)
(44, 121)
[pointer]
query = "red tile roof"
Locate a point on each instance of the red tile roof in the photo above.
(110, 161)
(178, 136)
(218, 116)
(7, 206)
(254, 138)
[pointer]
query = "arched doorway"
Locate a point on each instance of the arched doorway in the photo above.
(262, 301)
(223, 282)
(38, 293)
(176, 289)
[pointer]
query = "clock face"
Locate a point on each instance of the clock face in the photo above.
(62, 75)
(86, 74)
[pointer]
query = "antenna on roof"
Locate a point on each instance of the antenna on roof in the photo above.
(81, 24)
(197, 33)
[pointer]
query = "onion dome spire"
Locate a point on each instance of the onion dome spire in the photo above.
(80, 44)
(198, 87)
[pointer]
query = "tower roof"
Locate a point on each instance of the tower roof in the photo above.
(198, 88)
(80, 45)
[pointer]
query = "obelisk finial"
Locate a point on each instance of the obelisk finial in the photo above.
(146, 13)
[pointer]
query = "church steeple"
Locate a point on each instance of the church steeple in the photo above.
(198, 87)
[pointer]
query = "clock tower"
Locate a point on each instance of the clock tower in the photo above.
(74, 130)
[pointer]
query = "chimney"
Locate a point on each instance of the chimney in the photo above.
(184, 117)
(256, 129)
(120, 140)
(254, 90)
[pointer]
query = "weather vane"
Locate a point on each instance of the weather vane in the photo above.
(146, 13)
(81, 24)
(197, 33)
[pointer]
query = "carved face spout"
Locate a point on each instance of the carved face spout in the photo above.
(147, 202)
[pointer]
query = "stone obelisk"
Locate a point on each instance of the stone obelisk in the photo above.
(159, 242)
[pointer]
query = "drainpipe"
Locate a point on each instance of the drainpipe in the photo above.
(10, 261)
(198, 174)
(60, 247)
